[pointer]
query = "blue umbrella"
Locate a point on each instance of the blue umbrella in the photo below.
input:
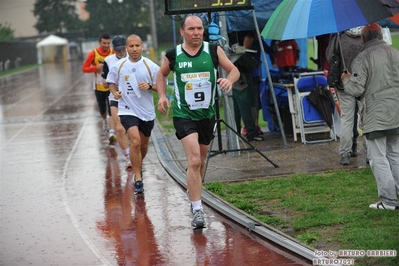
(294, 19)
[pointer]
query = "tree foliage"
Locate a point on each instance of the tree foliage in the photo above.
(6, 33)
(111, 16)
(56, 16)
(125, 17)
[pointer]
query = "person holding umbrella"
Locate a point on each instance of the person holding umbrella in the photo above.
(341, 51)
(375, 80)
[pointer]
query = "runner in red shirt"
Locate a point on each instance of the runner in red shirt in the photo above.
(94, 64)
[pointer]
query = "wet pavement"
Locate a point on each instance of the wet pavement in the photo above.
(67, 200)
(247, 164)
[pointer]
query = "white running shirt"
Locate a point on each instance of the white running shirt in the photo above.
(111, 60)
(134, 101)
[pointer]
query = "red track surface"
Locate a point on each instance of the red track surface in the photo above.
(67, 200)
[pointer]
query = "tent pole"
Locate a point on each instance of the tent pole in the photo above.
(232, 139)
(269, 78)
(39, 55)
(316, 50)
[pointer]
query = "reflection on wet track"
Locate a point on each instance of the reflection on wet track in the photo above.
(67, 200)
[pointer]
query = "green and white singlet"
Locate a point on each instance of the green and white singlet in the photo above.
(194, 84)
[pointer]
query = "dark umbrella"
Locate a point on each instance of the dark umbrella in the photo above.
(320, 97)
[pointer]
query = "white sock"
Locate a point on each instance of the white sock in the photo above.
(112, 131)
(197, 205)
(126, 152)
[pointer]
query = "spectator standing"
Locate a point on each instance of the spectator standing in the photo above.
(251, 42)
(375, 80)
(244, 104)
(194, 64)
(347, 46)
(119, 45)
(94, 64)
(135, 78)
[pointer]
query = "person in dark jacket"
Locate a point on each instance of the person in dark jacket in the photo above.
(252, 42)
(350, 43)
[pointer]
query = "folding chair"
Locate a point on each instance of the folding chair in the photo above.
(306, 119)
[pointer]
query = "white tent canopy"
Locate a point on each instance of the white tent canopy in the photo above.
(52, 49)
(52, 40)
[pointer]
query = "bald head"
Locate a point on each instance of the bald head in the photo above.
(134, 37)
(372, 31)
(134, 46)
(192, 31)
(190, 18)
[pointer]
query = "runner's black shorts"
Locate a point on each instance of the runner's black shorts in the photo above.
(129, 121)
(204, 128)
(102, 102)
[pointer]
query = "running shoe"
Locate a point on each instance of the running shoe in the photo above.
(198, 219)
(138, 187)
(112, 139)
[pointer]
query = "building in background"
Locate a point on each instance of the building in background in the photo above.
(19, 14)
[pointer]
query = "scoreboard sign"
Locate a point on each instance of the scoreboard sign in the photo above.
(173, 7)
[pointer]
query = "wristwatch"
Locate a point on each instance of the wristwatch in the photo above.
(150, 86)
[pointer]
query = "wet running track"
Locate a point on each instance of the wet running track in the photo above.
(67, 200)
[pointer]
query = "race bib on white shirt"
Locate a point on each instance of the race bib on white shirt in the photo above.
(127, 77)
(132, 84)
(198, 94)
(198, 89)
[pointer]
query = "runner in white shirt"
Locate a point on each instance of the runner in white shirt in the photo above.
(132, 82)
(119, 45)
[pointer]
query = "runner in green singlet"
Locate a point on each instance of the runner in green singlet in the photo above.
(194, 64)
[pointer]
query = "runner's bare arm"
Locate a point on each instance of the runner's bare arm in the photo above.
(162, 77)
(117, 94)
(230, 68)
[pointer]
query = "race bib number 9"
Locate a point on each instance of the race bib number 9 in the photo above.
(198, 94)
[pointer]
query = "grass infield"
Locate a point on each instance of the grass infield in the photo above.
(327, 211)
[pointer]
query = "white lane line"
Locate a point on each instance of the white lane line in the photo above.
(40, 114)
(68, 209)
(23, 98)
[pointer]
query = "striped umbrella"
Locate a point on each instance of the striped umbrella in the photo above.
(294, 19)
